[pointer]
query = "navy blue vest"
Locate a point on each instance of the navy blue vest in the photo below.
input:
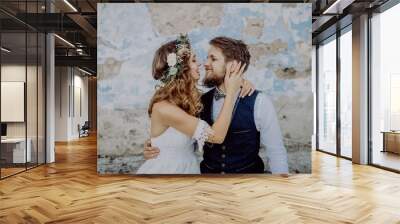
(242, 142)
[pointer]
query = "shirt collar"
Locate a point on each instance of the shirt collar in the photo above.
(217, 90)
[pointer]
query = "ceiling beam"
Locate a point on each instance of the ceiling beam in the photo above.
(83, 61)
(83, 23)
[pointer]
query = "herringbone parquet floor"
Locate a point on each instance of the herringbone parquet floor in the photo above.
(70, 191)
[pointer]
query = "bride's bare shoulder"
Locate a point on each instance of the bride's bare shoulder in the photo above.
(164, 107)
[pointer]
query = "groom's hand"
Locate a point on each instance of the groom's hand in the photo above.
(150, 152)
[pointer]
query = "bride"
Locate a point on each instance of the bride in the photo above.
(175, 106)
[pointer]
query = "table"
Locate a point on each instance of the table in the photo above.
(391, 141)
(16, 147)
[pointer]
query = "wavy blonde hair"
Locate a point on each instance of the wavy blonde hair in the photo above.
(181, 90)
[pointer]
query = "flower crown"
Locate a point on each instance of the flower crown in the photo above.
(175, 60)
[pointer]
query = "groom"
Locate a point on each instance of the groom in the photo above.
(254, 122)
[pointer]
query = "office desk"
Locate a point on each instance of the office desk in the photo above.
(16, 147)
(391, 141)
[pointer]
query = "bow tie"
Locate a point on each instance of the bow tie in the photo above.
(218, 95)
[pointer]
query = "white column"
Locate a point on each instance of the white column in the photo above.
(314, 91)
(50, 92)
(50, 100)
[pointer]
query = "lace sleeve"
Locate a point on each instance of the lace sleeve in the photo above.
(201, 134)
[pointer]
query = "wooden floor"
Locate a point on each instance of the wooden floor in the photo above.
(70, 191)
(5, 172)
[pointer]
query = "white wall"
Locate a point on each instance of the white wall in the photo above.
(12, 73)
(17, 73)
(79, 117)
(70, 82)
(61, 103)
(33, 126)
(12, 101)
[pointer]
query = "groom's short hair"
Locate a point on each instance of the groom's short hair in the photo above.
(232, 49)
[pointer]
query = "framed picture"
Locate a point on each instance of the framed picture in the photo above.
(204, 88)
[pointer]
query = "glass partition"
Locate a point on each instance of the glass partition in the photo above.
(13, 104)
(346, 93)
(22, 88)
(327, 96)
(385, 85)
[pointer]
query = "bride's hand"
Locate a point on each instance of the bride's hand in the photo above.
(233, 77)
(247, 88)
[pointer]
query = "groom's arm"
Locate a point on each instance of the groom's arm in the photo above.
(150, 152)
(270, 134)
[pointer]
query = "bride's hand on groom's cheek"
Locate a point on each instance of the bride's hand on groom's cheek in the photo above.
(247, 88)
(150, 152)
(233, 76)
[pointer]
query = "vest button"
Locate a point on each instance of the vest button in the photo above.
(223, 147)
(222, 172)
(223, 164)
(223, 156)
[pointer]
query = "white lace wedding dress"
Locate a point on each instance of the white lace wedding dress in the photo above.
(177, 153)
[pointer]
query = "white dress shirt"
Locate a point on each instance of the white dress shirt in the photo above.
(270, 133)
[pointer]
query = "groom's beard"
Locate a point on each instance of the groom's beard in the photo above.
(213, 81)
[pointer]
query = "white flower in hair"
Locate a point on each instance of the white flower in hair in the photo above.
(183, 50)
(171, 59)
(175, 60)
(173, 71)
